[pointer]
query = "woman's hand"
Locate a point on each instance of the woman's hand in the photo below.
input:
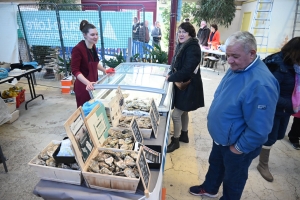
(167, 77)
(90, 86)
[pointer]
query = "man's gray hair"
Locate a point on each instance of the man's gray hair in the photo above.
(242, 37)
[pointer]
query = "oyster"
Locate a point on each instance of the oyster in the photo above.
(44, 156)
(121, 173)
(39, 162)
(101, 157)
(128, 140)
(129, 173)
(120, 164)
(103, 164)
(136, 172)
(121, 141)
(51, 162)
(104, 170)
(74, 166)
(94, 166)
(134, 155)
(129, 161)
(62, 165)
(109, 161)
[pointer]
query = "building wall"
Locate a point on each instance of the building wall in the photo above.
(282, 21)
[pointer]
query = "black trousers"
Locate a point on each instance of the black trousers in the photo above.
(294, 133)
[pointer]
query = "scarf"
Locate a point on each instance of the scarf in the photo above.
(296, 93)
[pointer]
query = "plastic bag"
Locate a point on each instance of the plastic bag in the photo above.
(296, 95)
(4, 112)
(88, 106)
(65, 148)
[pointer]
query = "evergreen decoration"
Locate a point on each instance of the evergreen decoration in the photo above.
(114, 62)
(157, 55)
(61, 68)
(221, 12)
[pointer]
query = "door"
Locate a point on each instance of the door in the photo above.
(246, 21)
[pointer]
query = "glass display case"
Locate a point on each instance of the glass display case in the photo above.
(138, 80)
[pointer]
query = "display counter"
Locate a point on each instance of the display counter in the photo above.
(139, 80)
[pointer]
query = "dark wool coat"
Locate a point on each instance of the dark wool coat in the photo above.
(203, 35)
(285, 75)
(182, 69)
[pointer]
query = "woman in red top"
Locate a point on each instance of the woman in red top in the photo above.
(85, 63)
(214, 37)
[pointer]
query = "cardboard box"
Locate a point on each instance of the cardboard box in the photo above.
(56, 174)
(86, 146)
(14, 116)
(11, 105)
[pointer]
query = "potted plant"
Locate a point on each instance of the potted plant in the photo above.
(158, 55)
(114, 62)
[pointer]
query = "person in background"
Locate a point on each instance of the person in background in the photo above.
(239, 118)
(85, 63)
(184, 68)
(156, 34)
(282, 65)
(294, 133)
(144, 32)
(135, 28)
(214, 37)
(203, 34)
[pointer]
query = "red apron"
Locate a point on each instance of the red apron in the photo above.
(82, 95)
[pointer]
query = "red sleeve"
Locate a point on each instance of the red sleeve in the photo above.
(76, 61)
(216, 39)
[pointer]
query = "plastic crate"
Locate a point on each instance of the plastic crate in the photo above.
(20, 98)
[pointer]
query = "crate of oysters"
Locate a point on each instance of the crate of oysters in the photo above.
(102, 168)
(133, 107)
(47, 168)
(107, 136)
(148, 125)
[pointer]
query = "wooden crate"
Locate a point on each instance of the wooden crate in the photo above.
(109, 182)
(54, 173)
(74, 126)
(115, 113)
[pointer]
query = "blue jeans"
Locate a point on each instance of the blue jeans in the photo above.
(280, 124)
(229, 168)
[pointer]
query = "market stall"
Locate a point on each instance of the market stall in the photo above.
(131, 82)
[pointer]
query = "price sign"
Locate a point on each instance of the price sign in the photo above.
(154, 108)
(144, 171)
(153, 123)
(136, 131)
(151, 155)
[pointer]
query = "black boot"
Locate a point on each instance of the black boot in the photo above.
(173, 145)
(184, 137)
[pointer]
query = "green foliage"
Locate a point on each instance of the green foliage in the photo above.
(61, 64)
(157, 55)
(220, 12)
(166, 20)
(135, 58)
(49, 7)
(40, 53)
(114, 62)
(187, 11)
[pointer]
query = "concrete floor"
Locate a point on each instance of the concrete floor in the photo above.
(187, 166)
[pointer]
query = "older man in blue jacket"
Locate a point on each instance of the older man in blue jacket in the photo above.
(239, 119)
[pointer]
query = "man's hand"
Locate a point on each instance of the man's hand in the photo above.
(233, 150)
(167, 77)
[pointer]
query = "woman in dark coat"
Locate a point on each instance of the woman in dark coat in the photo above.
(282, 65)
(85, 63)
(184, 67)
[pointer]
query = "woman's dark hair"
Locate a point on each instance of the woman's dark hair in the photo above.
(188, 27)
(85, 26)
(215, 26)
(291, 51)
